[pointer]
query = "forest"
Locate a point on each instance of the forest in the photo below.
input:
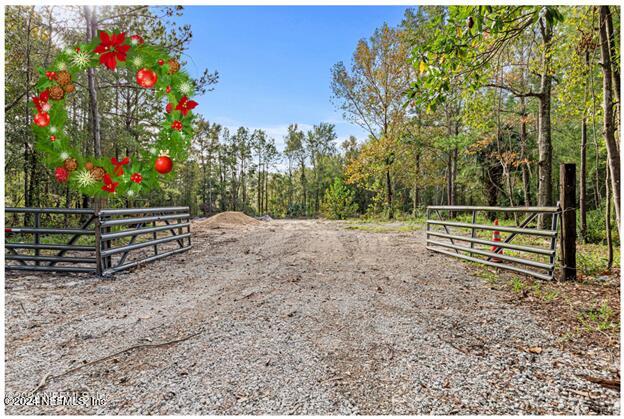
(462, 105)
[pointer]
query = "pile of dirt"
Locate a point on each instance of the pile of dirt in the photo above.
(228, 219)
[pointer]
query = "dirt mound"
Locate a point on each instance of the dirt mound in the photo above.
(228, 219)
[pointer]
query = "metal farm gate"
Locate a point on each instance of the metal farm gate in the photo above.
(460, 224)
(106, 241)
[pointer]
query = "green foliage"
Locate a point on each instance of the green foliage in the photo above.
(591, 259)
(596, 226)
(339, 201)
(599, 318)
(517, 285)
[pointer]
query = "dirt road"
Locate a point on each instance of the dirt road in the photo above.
(303, 317)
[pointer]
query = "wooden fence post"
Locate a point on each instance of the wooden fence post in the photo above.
(567, 200)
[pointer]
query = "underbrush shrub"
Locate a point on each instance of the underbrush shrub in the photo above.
(296, 210)
(596, 231)
(339, 202)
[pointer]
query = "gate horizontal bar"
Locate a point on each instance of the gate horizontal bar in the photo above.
(51, 210)
(137, 231)
(136, 246)
(50, 259)
(533, 231)
(74, 269)
(530, 249)
(72, 247)
(142, 261)
(137, 220)
(493, 264)
(493, 255)
(493, 209)
(20, 230)
(126, 211)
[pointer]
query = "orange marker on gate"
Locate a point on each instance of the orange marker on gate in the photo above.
(496, 238)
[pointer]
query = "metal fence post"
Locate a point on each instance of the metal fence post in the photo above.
(37, 238)
(567, 199)
(98, 237)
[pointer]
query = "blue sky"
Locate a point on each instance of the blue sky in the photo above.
(275, 61)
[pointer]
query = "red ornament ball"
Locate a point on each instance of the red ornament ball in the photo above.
(163, 164)
(168, 89)
(161, 61)
(61, 174)
(42, 119)
(136, 39)
(53, 138)
(169, 107)
(136, 177)
(146, 78)
(177, 125)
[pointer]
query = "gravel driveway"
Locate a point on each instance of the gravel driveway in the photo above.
(291, 317)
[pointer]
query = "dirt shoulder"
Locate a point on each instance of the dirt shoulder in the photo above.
(294, 317)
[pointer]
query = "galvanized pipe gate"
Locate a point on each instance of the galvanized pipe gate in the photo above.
(108, 240)
(502, 254)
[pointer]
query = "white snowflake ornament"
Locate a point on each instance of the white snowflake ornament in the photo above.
(137, 61)
(81, 59)
(85, 178)
(186, 88)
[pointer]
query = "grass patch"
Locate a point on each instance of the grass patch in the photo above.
(599, 318)
(385, 227)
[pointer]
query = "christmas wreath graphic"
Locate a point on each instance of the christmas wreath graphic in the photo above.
(153, 69)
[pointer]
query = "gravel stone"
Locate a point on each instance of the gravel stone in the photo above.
(294, 317)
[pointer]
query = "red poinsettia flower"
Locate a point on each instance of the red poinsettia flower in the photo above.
(185, 105)
(118, 170)
(136, 177)
(177, 125)
(111, 49)
(109, 185)
(41, 101)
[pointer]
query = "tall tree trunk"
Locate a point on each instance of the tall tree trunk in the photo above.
(91, 21)
(596, 177)
(266, 190)
(583, 172)
(451, 169)
(290, 184)
(304, 187)
(526, 180)
(608, 221)
(259, 197)
(416, 187)
(389, 194)
(27, 121)
(583, 180)
(544, 168)
(609, 128)
(615, 67)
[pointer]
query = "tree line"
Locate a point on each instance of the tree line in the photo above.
(478, 104)
(461, 105)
